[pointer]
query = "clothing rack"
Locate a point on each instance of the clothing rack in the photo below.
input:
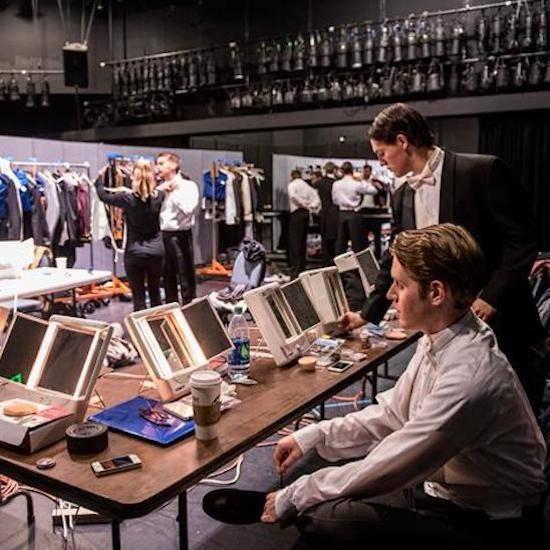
(215, 267)
(67, 166)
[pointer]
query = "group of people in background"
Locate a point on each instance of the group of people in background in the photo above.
(159, 210)
(337, 194)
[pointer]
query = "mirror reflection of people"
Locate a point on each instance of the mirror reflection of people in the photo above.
(144, 250)
(452, 454)
(302, 199)
(480, 193)
(177, 219)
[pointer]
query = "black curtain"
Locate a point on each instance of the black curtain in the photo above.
(523, 140)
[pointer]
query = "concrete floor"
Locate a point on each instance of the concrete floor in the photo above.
(159, 529)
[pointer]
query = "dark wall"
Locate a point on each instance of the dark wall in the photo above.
(28, 43)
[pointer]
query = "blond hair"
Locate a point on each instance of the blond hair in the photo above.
(143, 180)
(446, 253)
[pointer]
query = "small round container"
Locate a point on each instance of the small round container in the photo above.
(307, 363)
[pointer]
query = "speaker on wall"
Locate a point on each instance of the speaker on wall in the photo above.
(75, 65)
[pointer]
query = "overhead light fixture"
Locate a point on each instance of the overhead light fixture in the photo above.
(31, 91)
(14, 89)
(44, 92)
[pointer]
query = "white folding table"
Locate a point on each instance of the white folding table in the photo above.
(47, 280)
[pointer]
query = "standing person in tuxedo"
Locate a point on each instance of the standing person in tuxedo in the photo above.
(480, 193)
(328, 216)
(177, 218)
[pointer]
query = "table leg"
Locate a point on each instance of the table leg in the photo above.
(374, 383)
(115, 533)
(182, 521)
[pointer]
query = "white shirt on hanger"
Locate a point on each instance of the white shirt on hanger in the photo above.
(178, 207)
(230, 204)
(302, 195)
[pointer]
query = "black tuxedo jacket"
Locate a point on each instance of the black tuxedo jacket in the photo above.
(328, 216)
(480, 193)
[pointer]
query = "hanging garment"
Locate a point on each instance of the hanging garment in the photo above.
(218, 184)
(83, 209)
(230, 204)
(49, 191)
(246, 198)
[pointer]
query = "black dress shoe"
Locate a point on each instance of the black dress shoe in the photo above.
(234, 505)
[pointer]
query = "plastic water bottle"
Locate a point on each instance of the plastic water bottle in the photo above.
(239, 358)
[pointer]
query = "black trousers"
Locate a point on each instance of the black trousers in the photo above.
(140, 271)
(328, 250)
(297, 241)
(412, 519)
(179, 266)
(351, 227)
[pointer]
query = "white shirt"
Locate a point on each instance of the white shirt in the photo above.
(347, 193)
(177, 210)
(302, 195)
(426, 200)
(457, 418)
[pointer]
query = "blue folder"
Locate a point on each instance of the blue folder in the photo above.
(125, 417)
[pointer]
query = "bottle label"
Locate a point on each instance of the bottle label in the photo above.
(240, 356)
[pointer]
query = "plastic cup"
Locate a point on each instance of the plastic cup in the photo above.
(61, 263)
(205, 392)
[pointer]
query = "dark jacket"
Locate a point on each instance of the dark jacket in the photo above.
(480, 193)
(144, 239)
(328, 216)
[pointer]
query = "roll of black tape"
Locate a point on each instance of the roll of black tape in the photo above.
(86, 438)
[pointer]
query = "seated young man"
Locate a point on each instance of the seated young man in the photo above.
(452, 454)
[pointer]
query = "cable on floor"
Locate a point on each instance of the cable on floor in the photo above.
(237, 465)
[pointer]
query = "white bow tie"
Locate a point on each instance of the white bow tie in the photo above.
(422, 179)
(427, 176)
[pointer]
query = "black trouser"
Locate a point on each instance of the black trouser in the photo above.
(351, 227)
(139, 271)
(411, 520)
(179, 266)
(328, 250)
(517, 328)
(297, 241)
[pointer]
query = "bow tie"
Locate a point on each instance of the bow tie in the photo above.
(421, 179)
(426, 177)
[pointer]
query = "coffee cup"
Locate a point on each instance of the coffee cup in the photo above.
(61, 263)
(307, 363)
(205, 392)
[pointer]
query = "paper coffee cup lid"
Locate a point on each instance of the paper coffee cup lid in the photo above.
(205, 378)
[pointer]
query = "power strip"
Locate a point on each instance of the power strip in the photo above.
(84, 516)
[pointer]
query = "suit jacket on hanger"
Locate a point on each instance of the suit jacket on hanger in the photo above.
(480, 193)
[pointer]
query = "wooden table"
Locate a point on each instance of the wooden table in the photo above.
(282, 395)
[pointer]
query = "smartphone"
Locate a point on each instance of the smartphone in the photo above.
(340, 366)
(114, 465)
